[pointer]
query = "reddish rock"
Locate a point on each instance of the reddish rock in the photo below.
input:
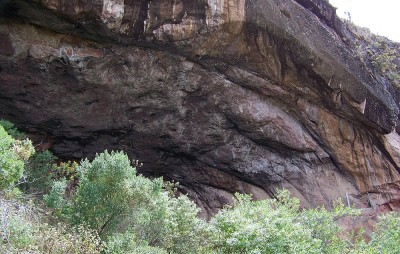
(221, 96)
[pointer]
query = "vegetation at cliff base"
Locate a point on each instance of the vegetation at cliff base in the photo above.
(104, 206)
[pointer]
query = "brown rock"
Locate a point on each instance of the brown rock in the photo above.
(222, 96)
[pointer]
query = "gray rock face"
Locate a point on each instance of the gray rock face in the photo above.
(222, 96)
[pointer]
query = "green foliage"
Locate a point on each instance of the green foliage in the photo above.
(380, 55)
(321, 223)
(12, 130)
(11, 166)
(23, 149)
(20, 235)
(172, 223)
(56, 198)
(13, 153)
(116, 202)
(276, 226)
(38, 171)
(386, 238)
(67, 170)
(385, 60)
(24, 229)
(108, 189)
(121, 243)
(134, 214)
(12, 193)
(41, 170)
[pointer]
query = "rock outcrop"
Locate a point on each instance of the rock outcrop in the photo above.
(219, 95)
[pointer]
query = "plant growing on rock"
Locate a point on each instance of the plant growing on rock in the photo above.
(380, 55)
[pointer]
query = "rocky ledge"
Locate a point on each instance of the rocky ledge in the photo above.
(219, 95)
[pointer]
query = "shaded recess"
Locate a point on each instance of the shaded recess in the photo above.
(222, 96)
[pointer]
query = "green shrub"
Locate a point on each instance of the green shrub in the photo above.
(41, 171)
(38, 172)
(13, 153)
(386, 238)
(24, 229)
(21, 233)
(37, 167)
(121, 243)
(66, 170)
(324, 229)
(12, 130)
(113, 200)
(385, 60)
(276, 226)
(172, 223)
(56, 198)
(108, 191)
(134, 214)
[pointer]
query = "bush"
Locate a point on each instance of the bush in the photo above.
(38, 172)
(13, 153)
(16, 230)
(172, 223)
(21, 233)
(56, 198)
(276, 226)
(66, 170)
(386, 238)
(121, 243)
(134, 214)
(23, 229)
(12, 130)
(324, 229)
(108, 191)
(113, 200)
(16, 150)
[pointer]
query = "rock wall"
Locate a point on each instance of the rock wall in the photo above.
(220, 95)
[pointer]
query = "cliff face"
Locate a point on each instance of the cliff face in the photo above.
(220, 95)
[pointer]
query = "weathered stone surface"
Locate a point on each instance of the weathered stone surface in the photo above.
(222, 96)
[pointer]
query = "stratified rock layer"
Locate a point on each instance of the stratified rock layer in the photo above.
(222, 96)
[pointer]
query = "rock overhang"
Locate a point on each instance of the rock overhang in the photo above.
(183, 81)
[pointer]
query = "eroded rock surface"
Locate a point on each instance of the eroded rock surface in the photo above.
(220, 95)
